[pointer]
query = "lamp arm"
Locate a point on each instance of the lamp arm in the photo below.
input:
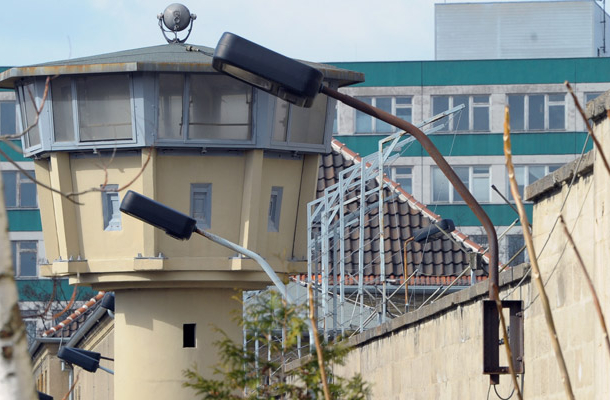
(442, 164)
(249, 253)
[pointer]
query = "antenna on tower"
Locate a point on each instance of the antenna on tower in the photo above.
(176, 18)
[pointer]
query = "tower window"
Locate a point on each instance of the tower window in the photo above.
(189, 337)
(110, 208)
(201, 204)
(275, 206)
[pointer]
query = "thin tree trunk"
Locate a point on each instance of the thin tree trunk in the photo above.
(16, 380)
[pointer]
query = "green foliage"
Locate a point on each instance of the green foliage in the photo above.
(244, 374)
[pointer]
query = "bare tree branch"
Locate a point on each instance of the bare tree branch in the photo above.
(514, 188)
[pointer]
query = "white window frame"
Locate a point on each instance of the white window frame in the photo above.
(547, 103)
(17, 257)
(470, 185)
(374, 121)
(275, 209)
(400, 173)
(204, 189)
(111, 214)
(469, 108)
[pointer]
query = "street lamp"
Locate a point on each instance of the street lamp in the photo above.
(299, 83)
(87, 360)
(181, 226)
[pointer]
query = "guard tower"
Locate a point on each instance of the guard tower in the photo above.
(162, 121)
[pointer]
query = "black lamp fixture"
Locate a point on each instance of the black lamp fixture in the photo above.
(433, 231)
(294, 82)
(174, 223)
(87, 360)
(288, 79)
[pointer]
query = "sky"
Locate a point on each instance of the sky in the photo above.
(37, 31)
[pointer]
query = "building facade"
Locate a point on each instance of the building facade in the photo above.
(547, 129)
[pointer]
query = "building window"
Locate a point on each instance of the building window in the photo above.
(171, 93)
(275, 208)
(537, 112)
(19, 190)
(201, 204)
(528, 174)
(399, 106)
(8, 118)
(110, 208)
(29, 110)
(481, 240)
(515, 243)
(476, 178)
(189, 335)
(473, 118)
(219, 108)
(25, 255)
(404, 177)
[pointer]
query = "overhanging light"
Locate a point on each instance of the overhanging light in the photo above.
(288, 79)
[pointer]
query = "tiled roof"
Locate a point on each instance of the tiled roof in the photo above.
(403, 214)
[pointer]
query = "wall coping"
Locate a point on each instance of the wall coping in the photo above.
(507, 279)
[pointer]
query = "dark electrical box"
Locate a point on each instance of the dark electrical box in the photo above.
(491, 337)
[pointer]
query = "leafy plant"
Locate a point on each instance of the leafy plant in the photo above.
(250, 373)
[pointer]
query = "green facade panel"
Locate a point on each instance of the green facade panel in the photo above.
(500, 214)
(24, 221)
(476, 144)
(481, 72)
(42, 290)
(11, 152)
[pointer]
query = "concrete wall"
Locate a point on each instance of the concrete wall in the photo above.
(436, 352)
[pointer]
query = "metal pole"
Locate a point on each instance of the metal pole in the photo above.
(443, 165)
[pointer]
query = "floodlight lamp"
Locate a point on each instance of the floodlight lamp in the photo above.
(174, 223)
(281, 76)
(433, 231)
(176, 18)
(87, 360)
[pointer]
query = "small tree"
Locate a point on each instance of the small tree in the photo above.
(245, 374)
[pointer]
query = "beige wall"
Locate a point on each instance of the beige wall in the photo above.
(149, 354)
(437, 352)
(48, 374)
(241, 191)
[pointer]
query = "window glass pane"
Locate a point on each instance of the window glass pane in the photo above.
(557, 117)
(402, 176)
(557, 97)
(104, 107)
(481, 240)
(439, 105)
(440, 186)
(404, 113)
(480, 184)
(307, 124)
(280, 120)
(110, 208)
(201, 204)
(9, 178)
(29, 116)
(535, 173)
(463, 174)
(403, 100)
(275, 207)
(219, 108)
(27, 263)
(384, 103)
(364, 122)
(480, 99)
(591, 96)
(536, 112)
(171, 89)
(515, 243)
(553, 168)
(63, 115)
(27, 192)
(481, 119)
(517, 117)
(8, 119)
(461, 121)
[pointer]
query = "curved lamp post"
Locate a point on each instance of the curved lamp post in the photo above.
(299, 83)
